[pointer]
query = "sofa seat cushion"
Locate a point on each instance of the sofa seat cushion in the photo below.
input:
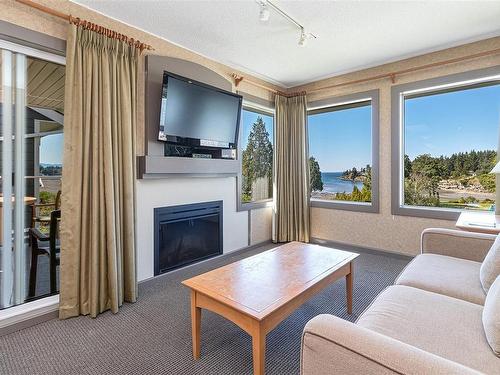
(442, 325)
(453, 277)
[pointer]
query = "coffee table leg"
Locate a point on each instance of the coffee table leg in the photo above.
(195, 325)
(348, 286)
(259, 350)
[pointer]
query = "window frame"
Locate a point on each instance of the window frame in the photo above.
(49, 49)
(266, 111)
(449, 83)
(322, 106)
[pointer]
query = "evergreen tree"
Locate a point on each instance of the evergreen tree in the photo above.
(257, 158)
(367, 183)
(315, 175)
(407, 166)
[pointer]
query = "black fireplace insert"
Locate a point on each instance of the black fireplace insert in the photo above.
(186, 234)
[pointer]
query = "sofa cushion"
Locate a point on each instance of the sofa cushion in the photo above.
(446, 326)
(491, 316)
(453, 277)
(490, 268)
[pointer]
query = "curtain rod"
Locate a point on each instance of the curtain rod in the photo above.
(392, 75)
(86, 24)
(238, 79)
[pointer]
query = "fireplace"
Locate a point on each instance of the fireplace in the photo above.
(186, 234)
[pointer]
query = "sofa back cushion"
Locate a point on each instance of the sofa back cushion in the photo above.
(491, 316)
(490, 268)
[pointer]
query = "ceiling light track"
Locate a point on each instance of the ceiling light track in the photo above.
(264, 16)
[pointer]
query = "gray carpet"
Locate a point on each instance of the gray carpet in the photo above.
(153, 336)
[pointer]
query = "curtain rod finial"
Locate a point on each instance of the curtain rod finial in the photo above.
(237, 79)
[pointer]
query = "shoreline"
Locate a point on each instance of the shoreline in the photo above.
(445, 195)
(451, 194)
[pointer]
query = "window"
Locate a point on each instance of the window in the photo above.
(31, 135)
(256, 156)
(447, 146)
(343, 153)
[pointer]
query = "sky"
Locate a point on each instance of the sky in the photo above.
(341, 140)
(247, 120)
(51, 149)
(453, 122)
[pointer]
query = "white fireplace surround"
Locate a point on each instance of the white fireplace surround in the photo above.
(240, 228)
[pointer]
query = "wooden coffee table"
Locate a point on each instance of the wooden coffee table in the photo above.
(258, 292)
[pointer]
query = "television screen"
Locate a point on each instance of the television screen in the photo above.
(193, 110)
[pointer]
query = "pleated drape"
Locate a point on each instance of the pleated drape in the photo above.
(291, 170)
(98, 261)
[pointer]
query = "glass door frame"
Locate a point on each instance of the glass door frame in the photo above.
(11, 51)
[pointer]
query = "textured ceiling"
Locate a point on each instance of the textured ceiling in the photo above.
(351, 34)
(45, 85)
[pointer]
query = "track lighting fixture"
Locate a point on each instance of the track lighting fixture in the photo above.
(264, 12)
(264, 15)
(303, 38)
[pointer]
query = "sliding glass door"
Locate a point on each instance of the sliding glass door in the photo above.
(31, 129)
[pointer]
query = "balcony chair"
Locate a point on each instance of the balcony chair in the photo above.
(44, 219)
(48, 245)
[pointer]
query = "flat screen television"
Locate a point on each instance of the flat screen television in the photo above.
(198, 115)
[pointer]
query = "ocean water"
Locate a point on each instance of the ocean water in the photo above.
(332, 183)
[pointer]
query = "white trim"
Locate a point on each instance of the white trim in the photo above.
(26, 311)
(337, 104)
(49, 113)
(28, 51)
(38, 135)
(19, 184)
(249, 105)
(463, 85)
(6, 273)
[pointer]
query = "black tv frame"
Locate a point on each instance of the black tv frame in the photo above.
(195, 142)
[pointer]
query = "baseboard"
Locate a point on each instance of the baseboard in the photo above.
(356, 248)
(224, 255)
(28, 314)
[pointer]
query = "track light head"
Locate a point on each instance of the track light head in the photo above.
(303, 38)
(264, 12)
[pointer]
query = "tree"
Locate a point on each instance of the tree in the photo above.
(427, 172)
(407, 166)
(315, 175)
(354, 173)
(367, 183)
(257, 158)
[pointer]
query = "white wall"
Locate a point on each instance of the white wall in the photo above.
(175, 191)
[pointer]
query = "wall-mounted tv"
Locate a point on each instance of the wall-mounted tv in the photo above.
(198, 115)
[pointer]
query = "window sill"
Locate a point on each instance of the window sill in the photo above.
(254, 205)
(27, 314)
(345, 205)
(427, 212)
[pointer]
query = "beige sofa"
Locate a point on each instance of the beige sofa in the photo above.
(429, 322)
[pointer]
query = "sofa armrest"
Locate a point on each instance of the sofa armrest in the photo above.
(331, 345)
(457, 243)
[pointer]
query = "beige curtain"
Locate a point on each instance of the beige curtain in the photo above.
(291, 170)
(98, 269)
